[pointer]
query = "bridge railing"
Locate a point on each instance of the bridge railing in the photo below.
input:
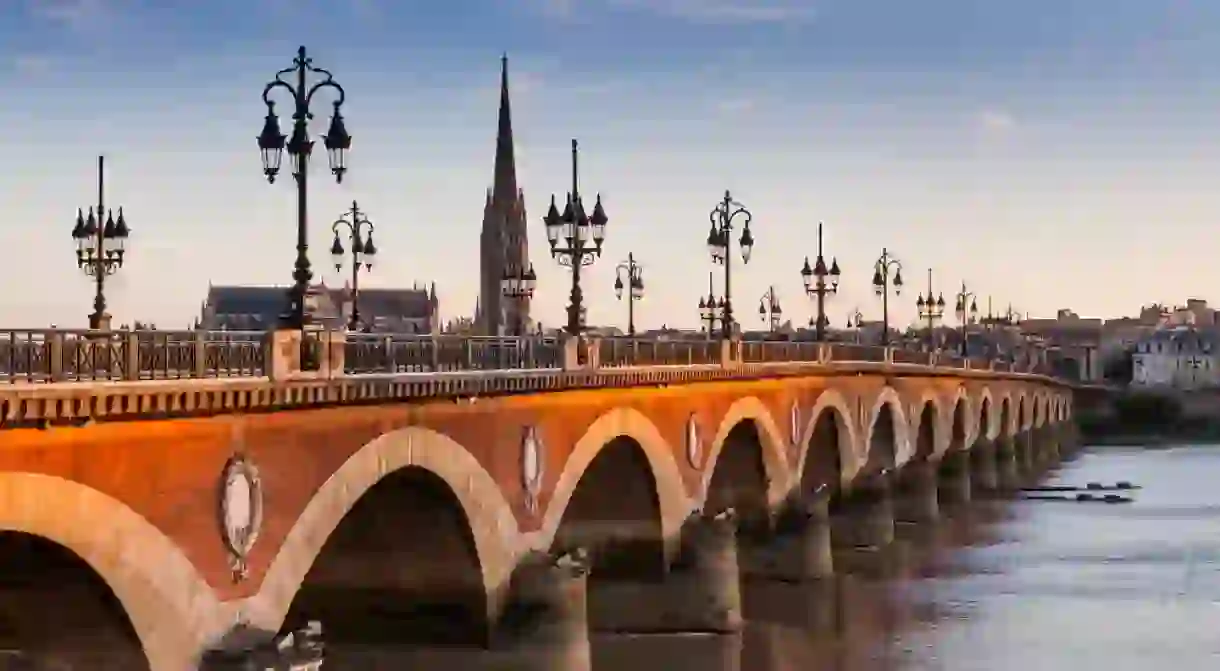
(47, 355)
(624, 352)
(375, 353)
(56, 355)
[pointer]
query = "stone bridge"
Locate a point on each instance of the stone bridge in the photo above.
(382, 510)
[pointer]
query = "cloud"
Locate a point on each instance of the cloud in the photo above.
(996, 121)
(32, 66)
(695, 11)
(733, 107)
(76, 15)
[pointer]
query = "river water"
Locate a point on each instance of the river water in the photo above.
(997, 586)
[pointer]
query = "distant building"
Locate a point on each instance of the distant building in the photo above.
(253, 308)
(1181, 357)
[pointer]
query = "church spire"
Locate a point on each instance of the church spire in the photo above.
(504, 183)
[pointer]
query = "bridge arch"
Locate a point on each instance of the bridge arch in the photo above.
(170, 607)
(435, 464)
(889, 443)
(1039, 410)
(927, 427)
(1024, 420)
(1007, 420)
(621, 428)
(987, 424)
(830, 455)
(961, 427)
(748, 420)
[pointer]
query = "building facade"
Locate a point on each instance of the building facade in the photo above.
(1180, 357)
(246, 308)
(503, 242)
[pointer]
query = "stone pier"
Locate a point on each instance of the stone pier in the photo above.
(985, 478)
(865, 515)
(799, 550)
(954, 482)
(916, 496)
(546, 623)
(700, 593)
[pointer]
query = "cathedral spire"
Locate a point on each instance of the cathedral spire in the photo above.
(504, 183)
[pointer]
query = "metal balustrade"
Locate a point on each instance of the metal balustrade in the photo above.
(388, 353)
(54, 355)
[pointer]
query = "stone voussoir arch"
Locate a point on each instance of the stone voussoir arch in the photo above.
(987, 402)
(674, 501)
(780, 480)
(903, 450)
(962, 396)
(172, 609)
(493, 525)
(941, 428)
(851, 453)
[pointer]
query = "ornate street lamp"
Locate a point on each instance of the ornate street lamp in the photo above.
(634, 286)
(719, 245)
(711, 309)
(769, 309)
(362, 249)
(100, 248)
(931, 310)
(820, 281)
(967, 309)
(271, 143)
(518, 285)
(576, 240)
(887, 276)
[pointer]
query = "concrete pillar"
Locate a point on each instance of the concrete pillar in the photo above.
(984, 473)
(547, 621)
(954, 481)
(1007, 468)
(800, 549)
(701, 593)
(866, 515)
(916, 499)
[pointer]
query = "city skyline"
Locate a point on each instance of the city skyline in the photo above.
(1076, 138)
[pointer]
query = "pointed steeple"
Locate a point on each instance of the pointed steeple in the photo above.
(504, 183)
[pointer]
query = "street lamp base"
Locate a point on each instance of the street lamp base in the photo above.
(99, 322)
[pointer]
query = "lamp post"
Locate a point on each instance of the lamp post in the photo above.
(816, 284)
(711, 309)
(362, 249)
(967, 313)
(887, 275)
(769, 309)
(100, 248)
(582, 238)
(854, 321)
(518, 284)
(719, 245)
(634, 286)
(271, 143)
(931, 310)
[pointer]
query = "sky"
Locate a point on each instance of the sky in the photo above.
(1050, 153)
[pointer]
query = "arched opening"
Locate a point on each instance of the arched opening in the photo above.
(1005, 420)
(400, 568)
(984, 433)
(1023, 418)
(739, 477)
(56, 610)
(823, 458)
(925, 441)
(615, 514)
(958, 439)
(883, 441)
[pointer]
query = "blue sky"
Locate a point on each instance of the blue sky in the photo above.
(1052, 153)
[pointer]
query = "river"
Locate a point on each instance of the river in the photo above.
(997, 586)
